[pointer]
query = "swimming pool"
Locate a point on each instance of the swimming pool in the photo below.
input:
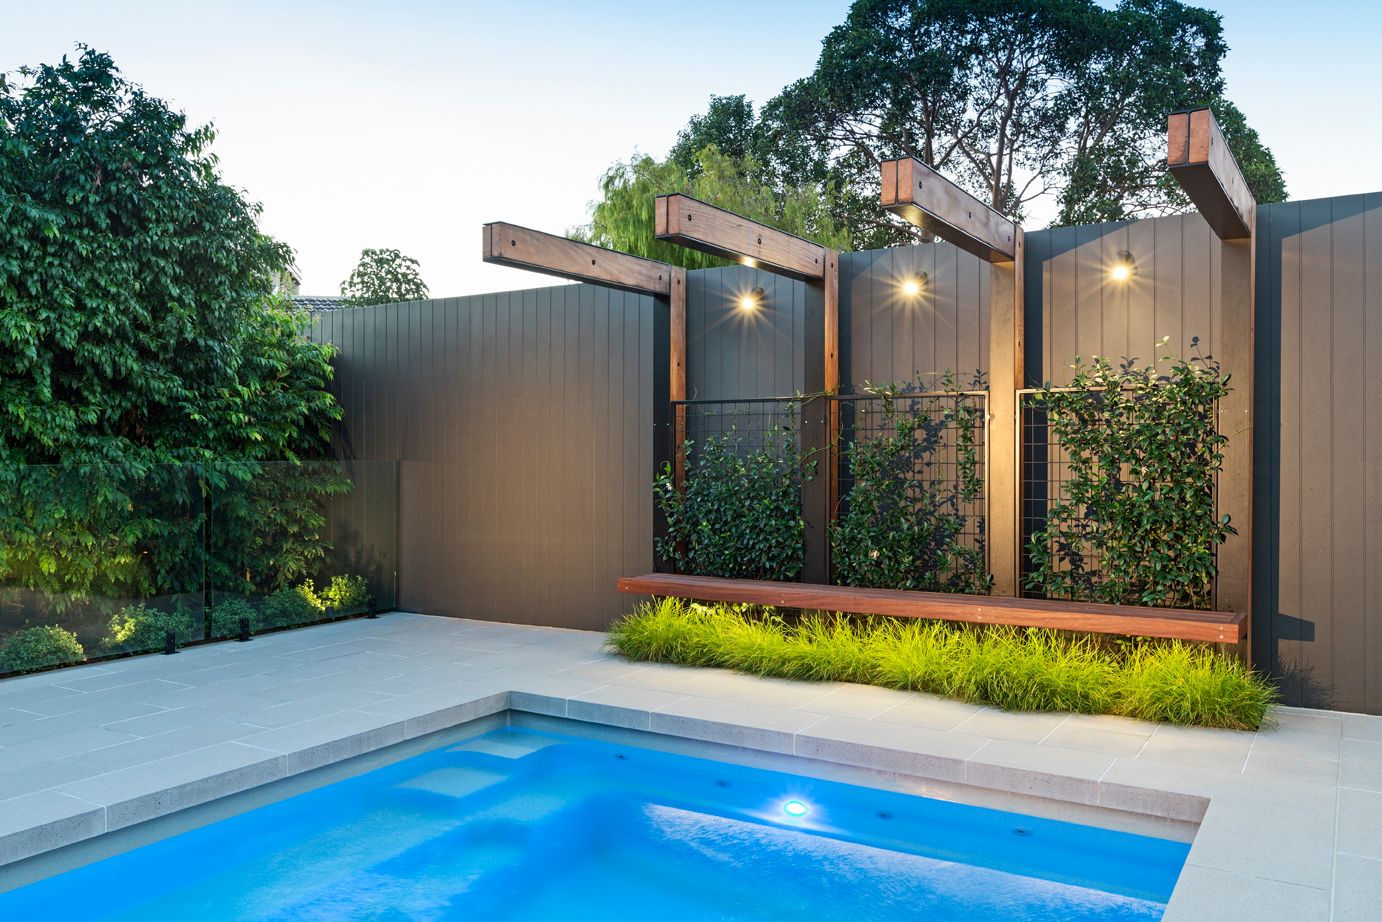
(525, 824)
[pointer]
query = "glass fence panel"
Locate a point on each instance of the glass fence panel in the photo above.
(98, 560)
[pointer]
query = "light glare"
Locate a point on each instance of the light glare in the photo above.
(794, 808)
(911, 288)
(1121, 272)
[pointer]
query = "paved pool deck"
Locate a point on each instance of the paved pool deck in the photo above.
(1290, 817)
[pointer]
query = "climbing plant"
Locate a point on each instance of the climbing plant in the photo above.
(1134, 521)
(905, 520)
(738, 513)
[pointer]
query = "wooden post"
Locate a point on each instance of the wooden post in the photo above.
(920, 195)
(831, 284)
(677, 389)
(1003, 475)
(1233, 589)
(1198, 157)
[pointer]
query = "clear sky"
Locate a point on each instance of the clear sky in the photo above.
(409, 124)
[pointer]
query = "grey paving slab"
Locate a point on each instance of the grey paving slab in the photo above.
(1357, 889)
(1291, 814)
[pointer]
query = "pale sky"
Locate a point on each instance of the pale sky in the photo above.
(409, 124)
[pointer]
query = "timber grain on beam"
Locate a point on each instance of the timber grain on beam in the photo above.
(691, 223)
(921, 196)
(511, 245)
(1199, 158)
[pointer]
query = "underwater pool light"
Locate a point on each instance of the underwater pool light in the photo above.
(795, 808)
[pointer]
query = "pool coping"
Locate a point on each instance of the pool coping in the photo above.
(1258, 853)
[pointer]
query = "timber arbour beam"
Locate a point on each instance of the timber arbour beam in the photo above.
(691, 223)
(919, 195)
(1199, 158)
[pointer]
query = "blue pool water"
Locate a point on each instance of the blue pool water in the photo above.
(520, 824)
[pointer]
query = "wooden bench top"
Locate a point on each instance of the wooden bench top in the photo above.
(1127, 620)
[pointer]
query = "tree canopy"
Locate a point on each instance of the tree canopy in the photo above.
(623, 218)
(383, 276)
(1018, 101)
(148, 362)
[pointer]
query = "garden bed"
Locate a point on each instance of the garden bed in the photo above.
(1014, 668)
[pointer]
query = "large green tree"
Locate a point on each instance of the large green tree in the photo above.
(1016, 100)
(162, 417)
(623, 217)
(383, 276)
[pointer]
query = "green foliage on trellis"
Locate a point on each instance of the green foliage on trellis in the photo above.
(1135, 522)
(908, 509)
(739, 512)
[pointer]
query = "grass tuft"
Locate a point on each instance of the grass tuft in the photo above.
(1014, 668)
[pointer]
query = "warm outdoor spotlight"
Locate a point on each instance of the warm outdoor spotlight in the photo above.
(794, 808)
(911, 287)
(1123, 268)
(750, 301)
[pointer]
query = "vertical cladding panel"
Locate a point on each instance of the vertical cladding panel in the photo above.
(1059, 323)
(1115, 297)
(1169, 280)
(1142, 293)
(1090, 277)
(1288, 618)
(968, 341)
(735, 353)
(1348, 362)
(945, 306)
(1200, 292)
(1371, 407)
(1317, 457)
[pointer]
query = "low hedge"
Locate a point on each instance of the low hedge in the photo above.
(1020, 669)
(41, 646)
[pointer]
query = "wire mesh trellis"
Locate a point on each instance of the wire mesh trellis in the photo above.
(733, 506)
(1044, 477)
(930, 448)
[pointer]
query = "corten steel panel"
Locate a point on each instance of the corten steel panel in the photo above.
(519, 421)
(888, 336)
(1319, 450)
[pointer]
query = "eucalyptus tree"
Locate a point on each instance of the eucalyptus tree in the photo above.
(1016, 100)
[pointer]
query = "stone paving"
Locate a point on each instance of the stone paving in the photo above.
(1290, 817)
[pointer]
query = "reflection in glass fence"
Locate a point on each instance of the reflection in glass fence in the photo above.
(103, 560)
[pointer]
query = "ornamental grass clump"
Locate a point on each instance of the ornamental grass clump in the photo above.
(1019, 669)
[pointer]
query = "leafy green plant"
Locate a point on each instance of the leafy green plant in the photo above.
(140, 629)
(739, 511)
(226, 615)
(145, 347)
(1014, 668)
(914, 490)
(1135, 522)
(383, 276)
(346, 594)
(41, 646)
(293, 606)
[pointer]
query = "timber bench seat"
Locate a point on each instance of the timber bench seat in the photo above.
(1127, 620)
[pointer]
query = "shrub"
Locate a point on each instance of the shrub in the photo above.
(1136, 522)
(226, 615)
(40, 647)
(346, 594)
(914, 489)
(141, 629)
(739, 511)
(144, 343)
(1021, 669)
(289, 607)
